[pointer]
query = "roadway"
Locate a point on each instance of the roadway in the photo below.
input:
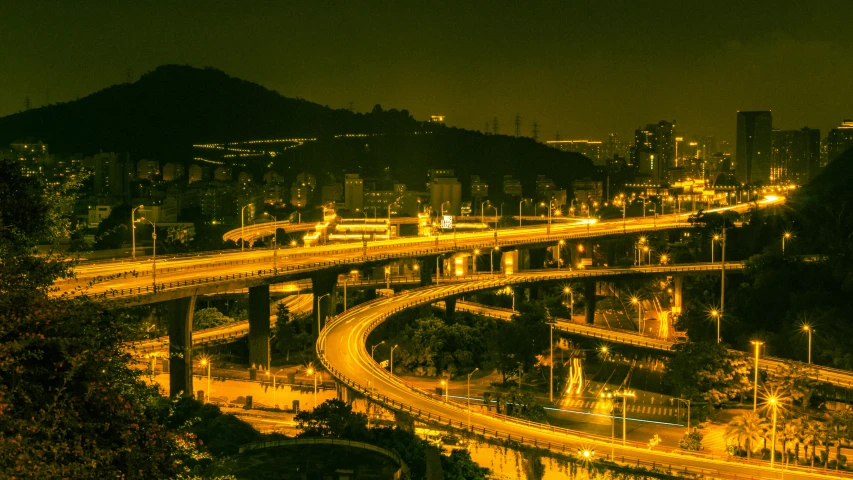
(226, 270)
(342, 349)
(837, 377)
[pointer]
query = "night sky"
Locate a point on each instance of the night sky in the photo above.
(581, 68)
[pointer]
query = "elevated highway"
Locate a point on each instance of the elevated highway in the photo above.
(342, 349)
(142, 281)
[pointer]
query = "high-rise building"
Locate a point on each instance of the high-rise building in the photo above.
(447, 192)
(147, 169)
(654, 150)
(113, 174)
(196, 173)
(479, 188)
(512, 186)
(839, 139)
(588, 148)
(754, 141)
(795, 155)
(353, 192)
(173, 171)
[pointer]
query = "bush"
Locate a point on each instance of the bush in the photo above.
(691, 441)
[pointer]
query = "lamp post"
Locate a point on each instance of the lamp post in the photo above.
(273, 385)
(313, 373)
(391, 363)
(716, 315)
(445, 385)
(243, 229)
(808, 329)
(568, 291)
(757, 344)
(496, 215)
(482, 216)
(559, 247)
(551, 388)
(785, 236)
(774, 403)
(639, 306)
(437, 271)
(723, 272)
(442, 206)
(373, 349)
(492, 260)
(519, 210)
(206, 363)
(476, 255)
(714, 239)
(133, 230)
(468, 397)
(625, 394)
(153, 252)
(274, 241)
(686, 402)
(320, 299)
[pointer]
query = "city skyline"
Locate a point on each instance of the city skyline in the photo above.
(697, 64)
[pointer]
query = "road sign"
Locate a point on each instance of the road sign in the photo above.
(447, 222)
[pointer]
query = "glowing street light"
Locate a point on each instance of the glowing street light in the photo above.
(773, 402)
(625, 394)
(205, 362)
(445, 385)
(714, 239)
(559, 247)
(568, 291)
(311, 371)
(808, 329)
(639, 306)
(785, 236)
(664, 259)
(391, 363)
(717, 315)
(757, 344)
(133, 229)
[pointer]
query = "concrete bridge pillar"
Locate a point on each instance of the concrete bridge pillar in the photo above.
(677, 290)
(589, 296)
(537, 258)
(323, 284)
(449, 307)
(180, 315)
(426, 266)
(259, 326)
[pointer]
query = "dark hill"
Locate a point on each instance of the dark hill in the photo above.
(170, 108)
(167, 110)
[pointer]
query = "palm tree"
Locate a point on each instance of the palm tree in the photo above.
(788, 434)
(750, 428)
(837, 429)
(811, 436)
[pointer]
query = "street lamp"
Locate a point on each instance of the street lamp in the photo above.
(568, 291)
(242, 228)
(442, 206)
(664, 259)
(373, 349)
(320, 299)
(757, 344)
(476, 254)
(469, 396)
(205, 362)
(445, 385)
(551, 361)
(273, 386)
(492, 260)
(773, 402)
(639, 306)
(153, 252)
(311, 371)
(686, 402)
(625, 394)
(133, 229)
(808, 329)
(559, 247)
(716, 314)
(274, 241)
(714, 239)
(523, 201)
(391, 364)
(785, 236)
(482, 216)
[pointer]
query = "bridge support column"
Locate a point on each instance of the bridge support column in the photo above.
(449, 307)
(323, 285)
(404, 421)
(180, 315)
(426, 267)
(259, 326)
(589, 296)
(677, 290)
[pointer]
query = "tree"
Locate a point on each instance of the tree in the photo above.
(811, 433)
(708, 371)
(209, 318)
(332, 418)
(459, 466)
(69, 403)
(691, 441)
(748, 429)
(795, 378)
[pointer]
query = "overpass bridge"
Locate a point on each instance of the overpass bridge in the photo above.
(342, 349)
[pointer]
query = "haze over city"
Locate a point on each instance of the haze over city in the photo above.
(336, 241)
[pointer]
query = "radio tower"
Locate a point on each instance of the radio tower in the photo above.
(517, 124)
(535, 130)
(495, 125)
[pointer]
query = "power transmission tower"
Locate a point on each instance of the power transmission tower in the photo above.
(495, 125)
(517, 124)
(558, 137)
(535, 130)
